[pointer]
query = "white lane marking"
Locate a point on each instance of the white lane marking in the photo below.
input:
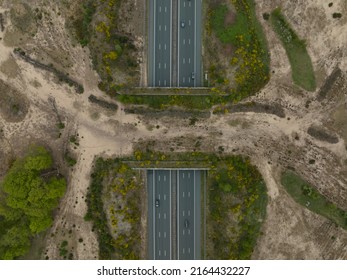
(183, 174)
(164, 196)
(188, 194)
(165, 47)
(189, 60)
(165, 9)
(184, 232)
(154, 26)
(170, 216)
(159, 234)
(183, 251)
(184, 61)
(194, 63)
(188, 175)
(189, 22)
(190, 4)
(178, 67)
(164, 83)
(159, 196)
(164, 216)
(188, 212)
(183, 213)
(153, 214)
(184, 193)
(188, 231)
(189, 80)
(184, 41)
(189, 41)
(165, 27)
(159, 47)
(159, 66)
(164, 253)
(159, 27)
(184, 80)
(159, 9)
(170, 59)
(184, 4)
(159, 253)
(159, 216)
(164, 234)
(159, 82)
(189, 250)
(165, 175)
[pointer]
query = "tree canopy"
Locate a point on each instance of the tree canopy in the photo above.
(27, 198)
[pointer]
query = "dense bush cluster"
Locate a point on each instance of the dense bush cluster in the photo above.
(28, 194)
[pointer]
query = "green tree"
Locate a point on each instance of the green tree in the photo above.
(27, 201)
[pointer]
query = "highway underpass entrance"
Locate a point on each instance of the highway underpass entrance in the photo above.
(174, 213)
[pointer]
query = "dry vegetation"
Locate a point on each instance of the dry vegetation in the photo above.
(273, 143)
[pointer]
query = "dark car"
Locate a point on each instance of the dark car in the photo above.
(157, 203)
(193, 75)
(186, 223)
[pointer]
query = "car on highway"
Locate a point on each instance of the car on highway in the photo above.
(157, 203)
(183, 24)
(186, 223)
(193, 75)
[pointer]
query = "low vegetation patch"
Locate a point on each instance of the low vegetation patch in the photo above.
(237, 204)
(114, 54)
(250, 59)
(114, 207)
(28, 194)
(300, 61)
(309, 197)
(13, 105)
(322, 134)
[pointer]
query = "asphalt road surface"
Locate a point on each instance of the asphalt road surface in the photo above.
(162, 213)
(187, 218)
(160, 43)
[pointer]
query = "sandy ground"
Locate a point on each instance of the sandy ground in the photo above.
(273, 143)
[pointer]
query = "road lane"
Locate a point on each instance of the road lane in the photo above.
(162, 43)
(162, 230)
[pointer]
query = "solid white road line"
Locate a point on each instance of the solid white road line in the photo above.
(194, 48)
(170, 219)
(194, 218)
(153, 214)
(178, 44)
(170, 44)
(178, 214)
(154, 25)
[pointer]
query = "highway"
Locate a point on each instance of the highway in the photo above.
(161, 223)
(184, 221)
(185, 215)
(187, 54)
(189, 49)
(160, 43)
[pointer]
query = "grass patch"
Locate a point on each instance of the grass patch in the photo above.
(250, 60)
(307, 196)
(300, 61)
